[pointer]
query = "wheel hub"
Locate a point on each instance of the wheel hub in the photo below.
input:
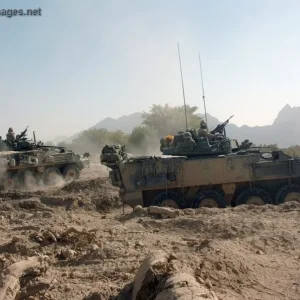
(294, 196)
(169, 203)
(208, 202)
(53, 178)
(255, 200)
(70, 175)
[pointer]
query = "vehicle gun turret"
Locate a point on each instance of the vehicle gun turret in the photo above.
(22, 135)
(220, 129)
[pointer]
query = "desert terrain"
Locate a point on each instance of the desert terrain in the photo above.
(92, 247)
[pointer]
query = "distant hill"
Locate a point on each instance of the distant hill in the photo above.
(124, 123)
(285, 130)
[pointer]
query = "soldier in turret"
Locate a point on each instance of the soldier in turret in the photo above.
(10, 136)
(203, 132)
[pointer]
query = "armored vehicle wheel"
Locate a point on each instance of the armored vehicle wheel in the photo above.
(209, 198)
(254, 196)
(9, 182)
(29, 180)
(71, 173)
(52, 176)
(288, 193)
(167, 199)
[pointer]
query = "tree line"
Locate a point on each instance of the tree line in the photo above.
(157, 123)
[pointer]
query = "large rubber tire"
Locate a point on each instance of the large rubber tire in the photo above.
(293, 190)
(50, 174)
(168, 199)
(29, 180)
(259, 197)
(71, 173)
(210, 199)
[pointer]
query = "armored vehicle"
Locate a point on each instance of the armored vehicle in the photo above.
(206, 172)
(24, 163)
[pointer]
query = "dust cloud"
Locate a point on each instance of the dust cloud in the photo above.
(149, 148)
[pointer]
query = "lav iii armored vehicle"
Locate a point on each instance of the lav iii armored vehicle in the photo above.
(24, 163)
(205, 172)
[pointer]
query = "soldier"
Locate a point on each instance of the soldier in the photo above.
(10, 136)
(202, 132)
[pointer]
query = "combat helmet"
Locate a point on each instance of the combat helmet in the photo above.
(203, 125)
(10, 129)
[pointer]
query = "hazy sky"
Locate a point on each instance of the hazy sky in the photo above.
(82, 61)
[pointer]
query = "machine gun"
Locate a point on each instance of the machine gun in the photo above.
(22, 134)
(220, 129)
(22, 143)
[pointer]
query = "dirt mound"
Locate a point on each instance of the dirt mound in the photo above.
(16, 194)
(246, 252)
(89, 193)
(238, 253)
(80, 185)
(160, 277)
(98, 192)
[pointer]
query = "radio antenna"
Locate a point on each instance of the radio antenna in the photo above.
(203, 96)
(182, 88)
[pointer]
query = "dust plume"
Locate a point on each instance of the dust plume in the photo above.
(150, 147)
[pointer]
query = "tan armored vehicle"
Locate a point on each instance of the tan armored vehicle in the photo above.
(24, 163)
(203, 172)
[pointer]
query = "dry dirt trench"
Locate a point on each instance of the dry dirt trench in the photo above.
(93, 250)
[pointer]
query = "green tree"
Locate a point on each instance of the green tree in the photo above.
(93, 135)
(92, 140)
(169, 120)
(142, 137)
(293, 151)
(117, 137)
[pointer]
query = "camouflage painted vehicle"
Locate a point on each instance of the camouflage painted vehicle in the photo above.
(24, 163)
(207, 175)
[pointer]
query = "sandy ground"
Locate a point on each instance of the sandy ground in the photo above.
(245, 252)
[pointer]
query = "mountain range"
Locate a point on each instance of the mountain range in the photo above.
(285, 130)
